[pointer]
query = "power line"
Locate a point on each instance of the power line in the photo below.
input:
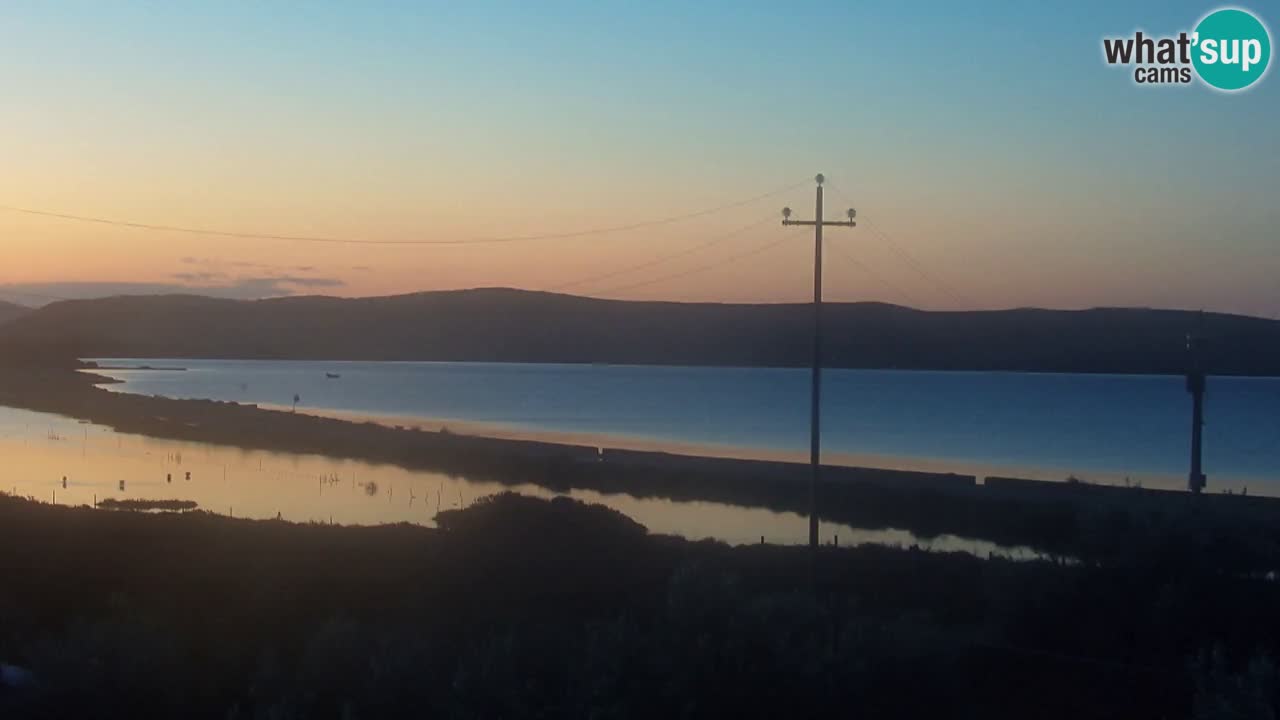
(357, 241)
(915, 265)
(704, 268)
(909, 260)
(4, 290)
(665, 258)
(866, 270)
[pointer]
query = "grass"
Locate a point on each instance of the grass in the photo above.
(520, 607)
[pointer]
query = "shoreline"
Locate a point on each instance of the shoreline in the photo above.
(584, 363)
(608, 441)
(978, 467)
(869, 461)
(1043, 515)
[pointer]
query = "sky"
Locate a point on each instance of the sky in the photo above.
(993, 158)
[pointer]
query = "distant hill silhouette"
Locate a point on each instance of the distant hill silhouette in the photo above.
(10, 311)
(522, 326)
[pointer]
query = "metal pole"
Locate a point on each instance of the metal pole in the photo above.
(815, 417)
(1196, 386)
(815, 402)
(1197, 426)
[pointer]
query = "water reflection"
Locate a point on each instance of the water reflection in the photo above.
(57, 459)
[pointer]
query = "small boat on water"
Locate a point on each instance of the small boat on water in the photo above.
(332, 376)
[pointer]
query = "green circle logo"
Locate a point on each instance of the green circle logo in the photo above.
(1232, 49)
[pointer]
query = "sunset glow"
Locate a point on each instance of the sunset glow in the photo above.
(1011, 167)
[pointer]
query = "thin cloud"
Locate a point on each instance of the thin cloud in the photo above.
(219, 264)
(195, 283)
(197, 278)
(299, 281)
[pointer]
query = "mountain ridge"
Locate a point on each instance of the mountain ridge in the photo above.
(510, 325)
(10, 311)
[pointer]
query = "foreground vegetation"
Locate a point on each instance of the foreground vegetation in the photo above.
(520, 607)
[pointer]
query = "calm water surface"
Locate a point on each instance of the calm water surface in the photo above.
(39, 449)
(1101, 428)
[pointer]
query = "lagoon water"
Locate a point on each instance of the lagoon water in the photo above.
(41, 449)
(1101, 428)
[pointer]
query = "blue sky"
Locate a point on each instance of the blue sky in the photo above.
(989, 140)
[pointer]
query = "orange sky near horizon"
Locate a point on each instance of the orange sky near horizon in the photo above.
(960, 261)
(994, 188)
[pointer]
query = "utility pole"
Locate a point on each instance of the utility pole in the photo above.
(1195, 386)
(815, 413)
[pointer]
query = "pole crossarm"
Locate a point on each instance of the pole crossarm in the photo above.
(825, 223)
